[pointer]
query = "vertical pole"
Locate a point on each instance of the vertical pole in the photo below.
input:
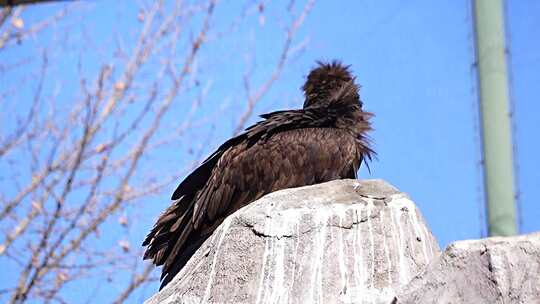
(496, 130)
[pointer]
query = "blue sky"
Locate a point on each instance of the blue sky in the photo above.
(414, 61)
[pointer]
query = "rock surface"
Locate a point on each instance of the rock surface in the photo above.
(492, 270)
(344, 241)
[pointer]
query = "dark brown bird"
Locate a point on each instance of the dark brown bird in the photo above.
(324, 141)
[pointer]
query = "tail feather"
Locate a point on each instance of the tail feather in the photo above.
(181, 260)
(162, 238)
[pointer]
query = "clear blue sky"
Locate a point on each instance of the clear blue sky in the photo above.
(414, 61)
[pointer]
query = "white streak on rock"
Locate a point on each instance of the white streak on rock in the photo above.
(386, 249)
(224, 229)
(295, 257)
(371, 243)
(341, 257)
(419, 233)
(403, 269)
(340, 211)
(320, 220)
(278, 255)
(357, 249)
(427, 234)
(261, 288)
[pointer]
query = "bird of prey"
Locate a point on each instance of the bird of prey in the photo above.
(325, 140)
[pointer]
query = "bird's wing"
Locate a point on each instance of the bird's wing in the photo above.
(287, 159)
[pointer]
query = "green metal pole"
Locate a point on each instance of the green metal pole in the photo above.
(496, 131)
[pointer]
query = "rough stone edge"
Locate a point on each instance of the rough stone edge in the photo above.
(454, 250)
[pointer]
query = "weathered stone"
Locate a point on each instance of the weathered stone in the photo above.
(492, 270)
(344, 241)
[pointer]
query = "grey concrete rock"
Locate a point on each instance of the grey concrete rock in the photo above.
(344, 241)
(492, 270)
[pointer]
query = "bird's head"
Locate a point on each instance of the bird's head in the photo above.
(327, 80)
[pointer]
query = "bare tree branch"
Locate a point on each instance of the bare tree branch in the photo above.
(80, 164)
